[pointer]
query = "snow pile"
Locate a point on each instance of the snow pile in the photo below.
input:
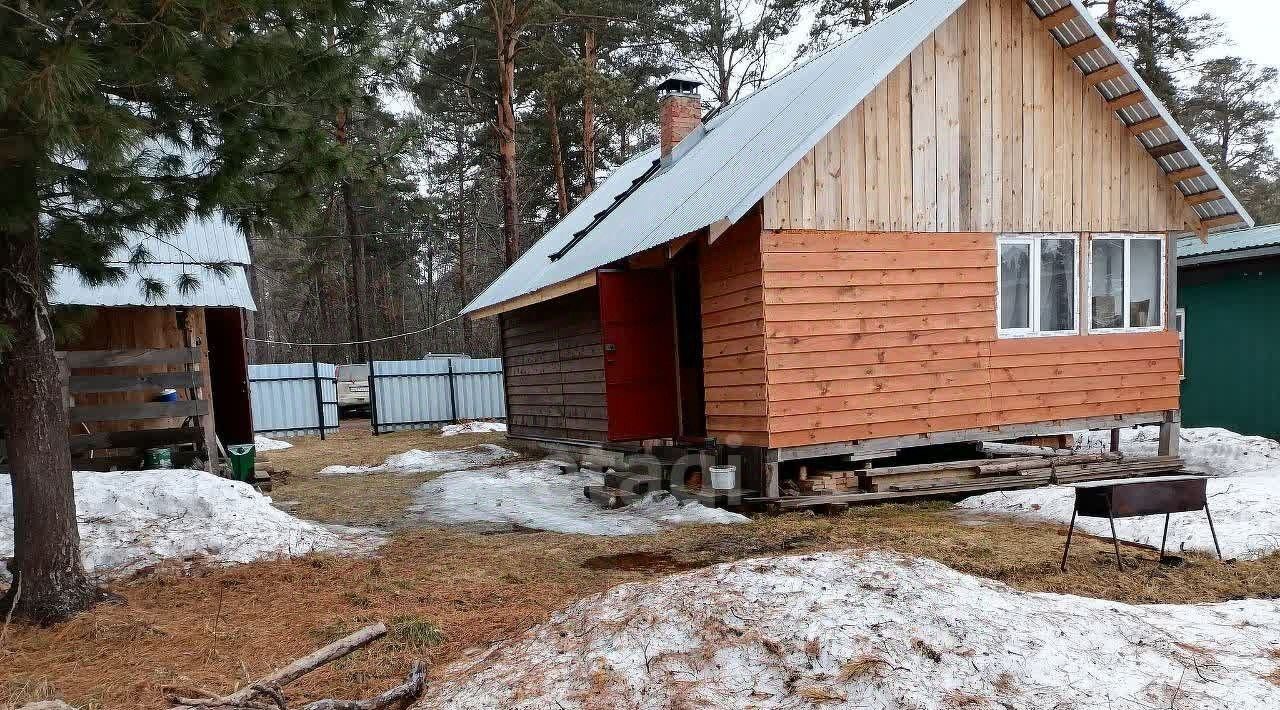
(871, 631)
(132, 519)
(262, 443)
(419, 461)
(472, 428)
(538, 496)
(1242, 498)
(1217, 452)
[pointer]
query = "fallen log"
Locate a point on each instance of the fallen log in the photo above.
(409, 690)
(245, 698)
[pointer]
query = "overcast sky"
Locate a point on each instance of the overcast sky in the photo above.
(1251, 29)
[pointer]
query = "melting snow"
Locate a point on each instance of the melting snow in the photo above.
(538, 496)
(262, 443)
(1242, 498)
(419, 461)
(132, 519)
(871, 631)
(472, 428)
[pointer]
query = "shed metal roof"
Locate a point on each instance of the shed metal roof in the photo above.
(200, 242)
(720, 171)
(1243, 240)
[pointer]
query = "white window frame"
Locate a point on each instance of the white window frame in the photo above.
(1033, 240)
(1129, 238)
(1180, 323)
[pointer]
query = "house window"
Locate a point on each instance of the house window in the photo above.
(1126, 282)
(1036, 290)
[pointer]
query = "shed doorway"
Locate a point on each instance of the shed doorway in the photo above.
(638, 329)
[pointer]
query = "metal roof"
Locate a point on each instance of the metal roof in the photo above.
(1242, 240)
(720, 172)
(723, 168)
(200, 242)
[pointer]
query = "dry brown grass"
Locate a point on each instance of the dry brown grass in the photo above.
(866, 664)
(444, 591)
(372, 499)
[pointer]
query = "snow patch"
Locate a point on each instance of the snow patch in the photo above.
(262, 443)
(419, 461)
(1242, 496)
(539, 496)
(472, 428)
(871, 631)
(132, 519)
(1216, 451)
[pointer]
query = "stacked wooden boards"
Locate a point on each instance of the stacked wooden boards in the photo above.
(988, 126)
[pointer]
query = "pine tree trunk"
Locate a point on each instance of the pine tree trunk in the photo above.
(49, 574)
(557, 157)
(588, 113)
(505, 32)
(464, 324)
(257, 320)
(356, 286)
(1112, 19)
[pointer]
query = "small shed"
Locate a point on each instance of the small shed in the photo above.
(1228, 292)
(131, 349)
(955, 226)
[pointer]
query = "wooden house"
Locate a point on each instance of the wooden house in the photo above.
(1228, 289)
(955, 226)
(131, 347)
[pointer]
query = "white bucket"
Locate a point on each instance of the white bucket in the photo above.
(724, 478)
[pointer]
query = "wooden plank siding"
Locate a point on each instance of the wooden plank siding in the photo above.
(730, 276)
(988, 126)
(553, 361)
(901, 339)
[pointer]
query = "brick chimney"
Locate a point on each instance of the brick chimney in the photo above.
(679, 111)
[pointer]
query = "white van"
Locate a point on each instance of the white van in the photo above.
(353, 387)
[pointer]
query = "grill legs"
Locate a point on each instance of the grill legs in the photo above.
(1115, 541)
(1068, 547)
(1212, 532)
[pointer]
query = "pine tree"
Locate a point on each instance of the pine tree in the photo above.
(834, 19)
(127, 118)
(728, 44)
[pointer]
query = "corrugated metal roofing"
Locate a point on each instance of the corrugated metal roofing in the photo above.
(720, 172)
(212, 289)
(201, 241)
(1266, 236)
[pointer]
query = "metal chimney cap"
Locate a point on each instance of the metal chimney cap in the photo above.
(679, 85)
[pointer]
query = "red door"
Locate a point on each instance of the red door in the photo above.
(639, 354)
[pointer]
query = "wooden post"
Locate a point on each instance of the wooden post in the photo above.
(1170, 431)
(1115, 441)
(770, 483)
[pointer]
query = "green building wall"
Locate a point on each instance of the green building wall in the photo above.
(1232, 341)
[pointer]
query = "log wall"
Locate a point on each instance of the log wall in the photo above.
(553, 360)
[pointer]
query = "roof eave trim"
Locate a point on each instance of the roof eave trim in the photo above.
(1163, 113)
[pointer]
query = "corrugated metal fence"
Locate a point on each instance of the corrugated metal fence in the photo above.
(417, 394)
(288, 398)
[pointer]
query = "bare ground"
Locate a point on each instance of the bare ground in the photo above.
(444, 591)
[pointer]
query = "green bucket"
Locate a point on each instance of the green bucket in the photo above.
(158, 458)
(241, 461)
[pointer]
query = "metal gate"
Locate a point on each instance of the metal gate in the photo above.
(294, 399)
(419, 394)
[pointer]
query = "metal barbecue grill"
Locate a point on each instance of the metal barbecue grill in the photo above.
(1134, 497)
